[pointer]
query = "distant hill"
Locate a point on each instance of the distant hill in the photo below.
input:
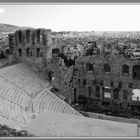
(6, 28)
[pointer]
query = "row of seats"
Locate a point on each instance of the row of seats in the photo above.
(46, 100)
(23, 93)
(24, 78)
(14, 112)
(13, 94)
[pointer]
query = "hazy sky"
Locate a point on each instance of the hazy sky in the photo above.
(73, 17)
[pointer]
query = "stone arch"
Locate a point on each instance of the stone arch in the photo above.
(55, 52)
(28, 32)
(125, 95)
(19, 52)
(107, 68)
(136, 72)
(136, 95)
(97, 91)
(51, 76)
(116, 94)
(89, 67)
(2, 54)
(125, 68)
(33, 38)
(38, 52)
(89, 91)
(27, 52)
(20, 36)
(7, 51)
(38, 36)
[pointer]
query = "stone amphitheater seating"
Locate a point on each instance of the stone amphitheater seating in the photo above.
(23, 94)
(46, 100)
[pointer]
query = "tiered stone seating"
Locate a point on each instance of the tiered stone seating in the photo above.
(46, 100)
(22, 77)
(17, 84)
(24, 94)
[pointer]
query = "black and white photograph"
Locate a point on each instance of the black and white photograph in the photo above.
(69, 70)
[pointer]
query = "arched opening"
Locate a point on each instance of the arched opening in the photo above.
(75, 94)
(38, 52)
(125, 69)
(27, 52)
(107, 92)
(55, 52)
(28, 36)
(7, 51)
(20, 36)
(136, 72)
(44, 39)
(125, 95)
(2, 54)
(89, 91)
(89, 67)
(33, 38)
(97, 91)
(84, 82)
(51, 76)
(136, 95)
(116, 94)
(107, 68)
(20, 52)
(38, 36)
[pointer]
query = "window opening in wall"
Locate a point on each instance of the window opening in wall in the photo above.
(120, 85)
(116, 94)
(97, 92)
(101, 82)
(44, 39)
(20, 36)
(130, 85)
(107, 68)
(125, 69)
(38, 52)
(2, 54)
(28, 36)
(136, 72)
(20, 52)
(94, 82)
(136, 95)
(27, 52)
(55, 52)
(125, 95)
(89, 67)
(107, 92)
(84, 82)
(33, 38)
(111, 83)
(51, 76)
(7, 51)
(89, 91)
(38, 36)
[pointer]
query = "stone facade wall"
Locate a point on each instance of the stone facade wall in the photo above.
(62, 76)
(87, 80)
(31, 46)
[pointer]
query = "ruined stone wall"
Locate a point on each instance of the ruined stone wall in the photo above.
(62, 76)
(87, 80)
(31, 47)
